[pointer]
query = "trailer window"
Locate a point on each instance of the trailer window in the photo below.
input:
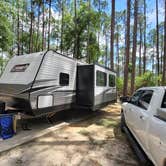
(111, 80)
(20, 68)
(163, 105)
(101, 78)
(64, 79)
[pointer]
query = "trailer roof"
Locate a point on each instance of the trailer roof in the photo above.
(74, 59)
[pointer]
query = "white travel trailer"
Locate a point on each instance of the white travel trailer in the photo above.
(48, 81)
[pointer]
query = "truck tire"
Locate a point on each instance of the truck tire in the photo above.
(123, 123)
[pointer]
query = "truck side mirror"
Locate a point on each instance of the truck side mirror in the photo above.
(125, 99)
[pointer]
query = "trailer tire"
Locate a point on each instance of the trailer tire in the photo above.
(123, 122)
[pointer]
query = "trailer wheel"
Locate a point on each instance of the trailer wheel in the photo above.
(123, 123)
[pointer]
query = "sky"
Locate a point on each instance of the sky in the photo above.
(121, 5)
(151, 12)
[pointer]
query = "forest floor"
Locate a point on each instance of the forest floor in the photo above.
(92, 142)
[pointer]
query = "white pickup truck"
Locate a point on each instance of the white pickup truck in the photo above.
(143, 118)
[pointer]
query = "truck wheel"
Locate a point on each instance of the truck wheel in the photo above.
(123, 123)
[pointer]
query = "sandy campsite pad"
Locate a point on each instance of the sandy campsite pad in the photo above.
(95, 141)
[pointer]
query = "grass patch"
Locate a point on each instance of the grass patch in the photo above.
(84, 132)
(107, 123)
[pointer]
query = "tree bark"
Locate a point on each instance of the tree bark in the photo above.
(144, 55)
(161, 53)
(164, 58)
(127, 50)
(112, 35)
(117, 52)
(134, 46)
(49, 24)
(153, 58)
(140, 52)
(31, 30)
(43, 26)
(88, 42)
(62, 20)
(98, 36)
(18, 28)
(75, 24)
(106, 50)
(157, 40)
(38, 23)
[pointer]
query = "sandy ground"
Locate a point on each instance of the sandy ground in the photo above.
(93, 142)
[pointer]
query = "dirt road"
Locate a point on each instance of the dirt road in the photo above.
(93, 142)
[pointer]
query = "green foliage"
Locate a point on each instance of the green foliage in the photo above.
(119, 85)
(3, 62)
(130, 67)
(147, 79)
(25, 41)
(82, 31)
(6, 35)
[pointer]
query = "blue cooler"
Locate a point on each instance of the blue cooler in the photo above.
(6, 126)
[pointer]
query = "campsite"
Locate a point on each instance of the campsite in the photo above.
(83, 82)
(93, 141)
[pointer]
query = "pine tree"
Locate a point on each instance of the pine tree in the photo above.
(112, 35)
(164, 64)
(134, 46)
(127, 51)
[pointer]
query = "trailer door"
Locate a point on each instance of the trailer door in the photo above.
(85, 85)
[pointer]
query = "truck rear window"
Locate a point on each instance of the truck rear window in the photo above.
(20, 68)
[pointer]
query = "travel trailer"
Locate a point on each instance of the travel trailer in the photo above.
(44, 82)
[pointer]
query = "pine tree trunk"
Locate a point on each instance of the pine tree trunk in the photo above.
(157, 40)
(49, 24)
(98, 37)
(31, 30)
(112, 35)
(43, 26)
(38, 23)
(117, 51)
(161, 54)
(88, 42)
(153, 58)
(75, 24)
(18, 28)
(22, 32)
(62, 22)
(164, 58)
(144, 54)
(106, 50)
(13, 27)
(140, 52)
(134, 46)
(26, 18)
(127, 51)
